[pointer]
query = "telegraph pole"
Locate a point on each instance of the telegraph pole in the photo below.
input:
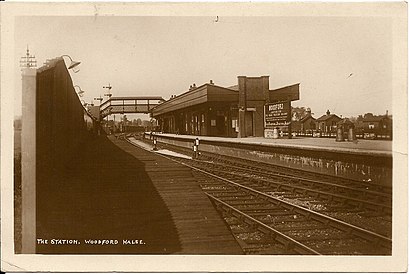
(109, 87)
(28, 61)
(28, 155)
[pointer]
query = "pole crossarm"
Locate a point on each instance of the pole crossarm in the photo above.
(121, 105)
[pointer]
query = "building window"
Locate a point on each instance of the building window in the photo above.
(371, 126)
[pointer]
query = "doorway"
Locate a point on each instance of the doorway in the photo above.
(249, 123)
(220, 126)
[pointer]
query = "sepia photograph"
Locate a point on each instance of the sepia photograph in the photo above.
(255, 136)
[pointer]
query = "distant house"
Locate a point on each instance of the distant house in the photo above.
(328, 123)
(308, 123)
(305, 125)
(380, 126)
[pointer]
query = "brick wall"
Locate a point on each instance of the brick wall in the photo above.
(253, 95)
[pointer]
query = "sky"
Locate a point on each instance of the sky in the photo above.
(343, 64)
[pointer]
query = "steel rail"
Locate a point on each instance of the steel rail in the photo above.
(299, 179)
(378, 239)
(290, 188)
(276, 235)
(370, 204)
(358, 231)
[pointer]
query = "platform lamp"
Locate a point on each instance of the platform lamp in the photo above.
(85, 104)
(73, 63)
(80, 92)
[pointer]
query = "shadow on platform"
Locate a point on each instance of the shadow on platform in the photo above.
(105, 194)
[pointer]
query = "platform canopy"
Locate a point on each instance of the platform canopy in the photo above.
(213, 93)
(202, 94)
(288, 93)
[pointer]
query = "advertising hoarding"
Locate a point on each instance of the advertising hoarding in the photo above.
(277, 114)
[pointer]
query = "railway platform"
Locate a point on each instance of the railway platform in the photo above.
(361, 147)
(366, 160)
(114, 191)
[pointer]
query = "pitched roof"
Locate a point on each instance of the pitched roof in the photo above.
(307, 116)
(375, 118)
(235, 87)
(202, 94)
(285, 93)
(345, 121)
(327, 117)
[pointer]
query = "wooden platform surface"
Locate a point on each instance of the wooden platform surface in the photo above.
(115, 191)
(200, 228)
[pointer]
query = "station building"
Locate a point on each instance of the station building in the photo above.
(212, 110)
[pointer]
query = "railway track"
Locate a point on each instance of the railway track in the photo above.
(297, 173)
(350, 201)
(272, 182)
(267, 210)
(286, 171)
(298, 229)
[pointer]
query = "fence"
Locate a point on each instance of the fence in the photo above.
(318, 134)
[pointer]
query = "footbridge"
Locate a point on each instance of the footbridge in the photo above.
(121, 105)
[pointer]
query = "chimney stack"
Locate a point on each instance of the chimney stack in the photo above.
(211, 82)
